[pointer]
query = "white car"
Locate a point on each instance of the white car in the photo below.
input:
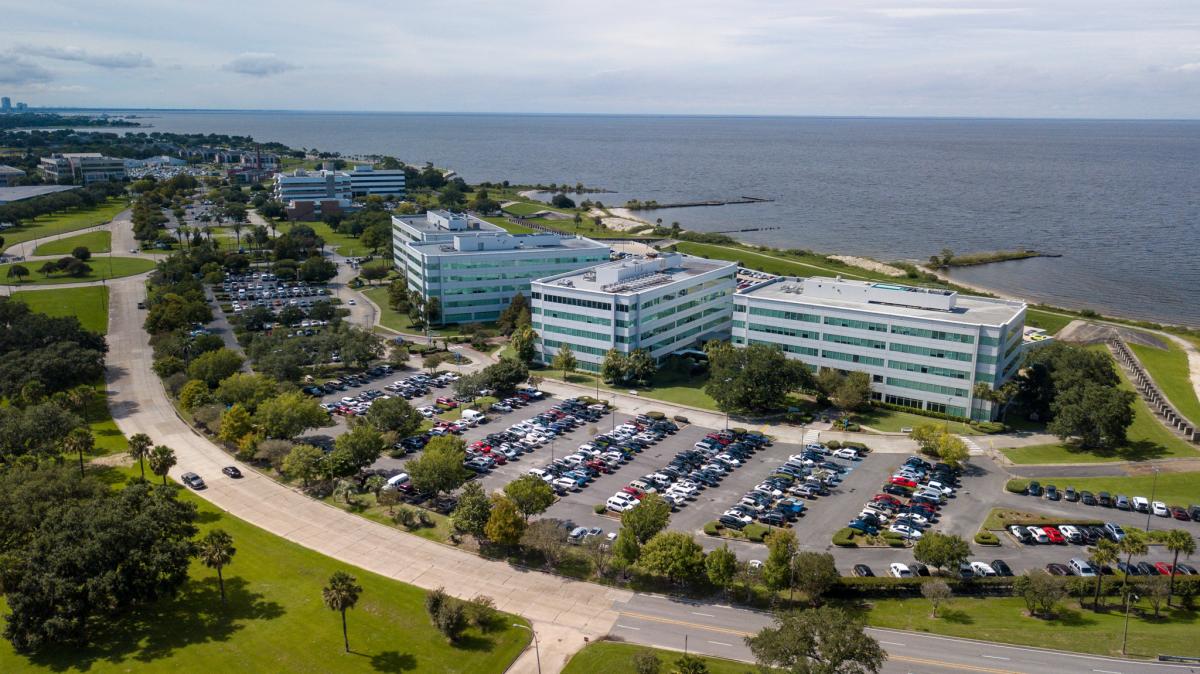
(906, 531)
(851, 454)
(739, 516)
(898, 570)
(982, 569)
(877, 514)
(1159, 508)
(351, 302)
(620, 503)
(565, 484)
(947, 490)
(1039, 534)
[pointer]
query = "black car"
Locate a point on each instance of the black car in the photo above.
(919, 569)
(193, 480)
(1001, 567)
(1104, 499)
(1052, 493)
(731, 522)
(773, 518)
(1186, 569)
(1129, 569)
(1034, 488)
(1087, 498)
(896, 490)
(1194, 511)
(232, 471)
(862, 571)
(1058, 569)
(1148, 569)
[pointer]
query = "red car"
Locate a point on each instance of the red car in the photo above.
(634, 492)
(448, 402)
(903, 482)
(1055, 535)
(1164, 568)
(886, 498)
(1180, 514)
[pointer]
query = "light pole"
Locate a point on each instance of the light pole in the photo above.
(1129, 599)
(1150, 506)
(536, 650)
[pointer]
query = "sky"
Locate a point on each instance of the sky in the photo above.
(981, 58)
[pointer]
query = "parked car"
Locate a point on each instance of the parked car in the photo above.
(898, 570)
(1160, 509)
(193, 480)
(1034, 488)
(1055, 569)
(1001, 568)
(862, 571)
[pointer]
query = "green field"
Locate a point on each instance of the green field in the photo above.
(97, 242)
(1177, 489)
(1004, 620)
(67, 221)
(1046, 320)
(789, 265)
(390, 318)
(1169, 368)
(891, 421)
(342, 244)
(1148, 439)
(509, 226)
(668, 386)
(524, 208)
(610, 657)
(102, 268)
(90, 306)
(275, 621)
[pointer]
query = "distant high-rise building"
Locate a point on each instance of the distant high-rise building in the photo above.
(22, 107)
(5, 104)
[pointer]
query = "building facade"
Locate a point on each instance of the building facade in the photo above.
(9, 175)
(366, 180)
(923, 348)
(85, 168)
(474, 268)
(310, 194)
(662, 304)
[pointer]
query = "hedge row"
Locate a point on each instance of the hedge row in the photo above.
(1017, 485)
(885, 587)
(986, 538)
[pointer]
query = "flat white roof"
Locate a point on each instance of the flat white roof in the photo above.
(890, 299)
(633, 275)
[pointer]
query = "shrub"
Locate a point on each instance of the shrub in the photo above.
(833, 444)
(986, 537)
(657, 416)
(739, 431)
(680, 418)
(989, 427)
(406, 518)
(857, 445)
(844, 538)
(599, 508)
(755, 532)
(208, 417)
(1016, 485)
(713, 528)
(481, 611)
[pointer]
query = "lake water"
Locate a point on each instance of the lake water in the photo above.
(1119, 199)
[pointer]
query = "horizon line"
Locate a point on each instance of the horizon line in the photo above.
(609, 114)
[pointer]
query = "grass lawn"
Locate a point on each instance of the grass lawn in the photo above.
(524, 208)
(366, 506)
(1148, 439)
(1001, 518)
(67, 221)
(891, 421)
(343, 244)
(97, 242)
(276, 622)
(1177, 489)
(1004, 620)
(1048, 321)
(786, 265)
(610, 657)
(390, 318)
(668, 386)
(101, 269)
(1169, 368)
(510, 227)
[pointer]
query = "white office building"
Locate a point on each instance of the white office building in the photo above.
(474, 268)
(662, 304)
(366, 180)
(84, 167)
(302, 185)
(923, 348)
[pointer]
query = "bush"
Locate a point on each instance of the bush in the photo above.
(884, 587)
(857, 445)
(844, 538)
(986, 538)
(894, 540)
(833, 444)
(755, 532)
(599, 508)
(1016, 485)
(989, 427)
(680, 419)
(481, 611)
(713, 528)
(657, 416)
(739, 431)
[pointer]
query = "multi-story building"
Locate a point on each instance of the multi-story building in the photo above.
(662, 304)
(923, 348)
(475, 268)
(9, 175)
(365, 180)
(84, 167)
(5, 104)
(308, 194)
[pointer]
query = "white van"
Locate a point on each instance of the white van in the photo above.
(473, 416)
(395, 481)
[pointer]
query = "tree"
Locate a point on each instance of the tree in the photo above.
(1098, 415)
(530, 494)
(942, 551)
(824, 640)
(505, 524)
(246, 389)
(754, 379)
(640, 367)
(936, 591)
(395, 415)
(162, 460)
(547, 537)
(1041, 592)
(339, 595)
(79, 441)
(471, 513)
(509, 319)
(1134, 543)
(216, 552)
(235, 424)
(690, 664)
(446, 613)
(674, 554)
(1105, 553)
(361, 446)
(376, 272)
(139, 449)
(289, 414)
(1178, 541)
(81, 253)
(721, 567)
(647, 518)
(814, 573)
(626, 549)
(303, 463)
(777, 570)
(18, 272)
(854, 392)
(440, 467)
(564, 360)
(952, 450)
(524, 343)
(646, 662)
(561, 200)
(213, 366)
(612, 370)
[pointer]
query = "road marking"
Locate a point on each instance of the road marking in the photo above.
(706, 615)
(721, 643)
(627, 627)
(890, 643)
(995, 657)
(950, 665)
(1105, 671)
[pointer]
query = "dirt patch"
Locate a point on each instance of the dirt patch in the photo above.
(1089, 332)
(868, 263)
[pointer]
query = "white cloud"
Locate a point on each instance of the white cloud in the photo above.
(942, 12)
(130, 59)
(20, 71)
(258, 64)
(1189, 68)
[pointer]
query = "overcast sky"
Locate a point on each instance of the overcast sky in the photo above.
(1032, 58)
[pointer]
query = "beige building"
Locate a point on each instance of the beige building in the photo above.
(83, 167)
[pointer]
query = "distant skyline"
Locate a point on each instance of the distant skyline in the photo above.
(983, 58)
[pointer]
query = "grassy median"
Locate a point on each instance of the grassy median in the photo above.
(102, 268)
(97, 242)
(67, 221)
(1169, 368)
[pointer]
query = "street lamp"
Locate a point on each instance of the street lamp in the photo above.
(1153, 487)
(536, 651)
(1129, 599)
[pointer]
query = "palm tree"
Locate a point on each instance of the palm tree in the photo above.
(162, 459)
(216, 552)
(1134, 543)
(1106, 553)
(237, 231)
(80, 399)
(341, 594)
(79, 440)
(139, 449)
(1178, 541)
